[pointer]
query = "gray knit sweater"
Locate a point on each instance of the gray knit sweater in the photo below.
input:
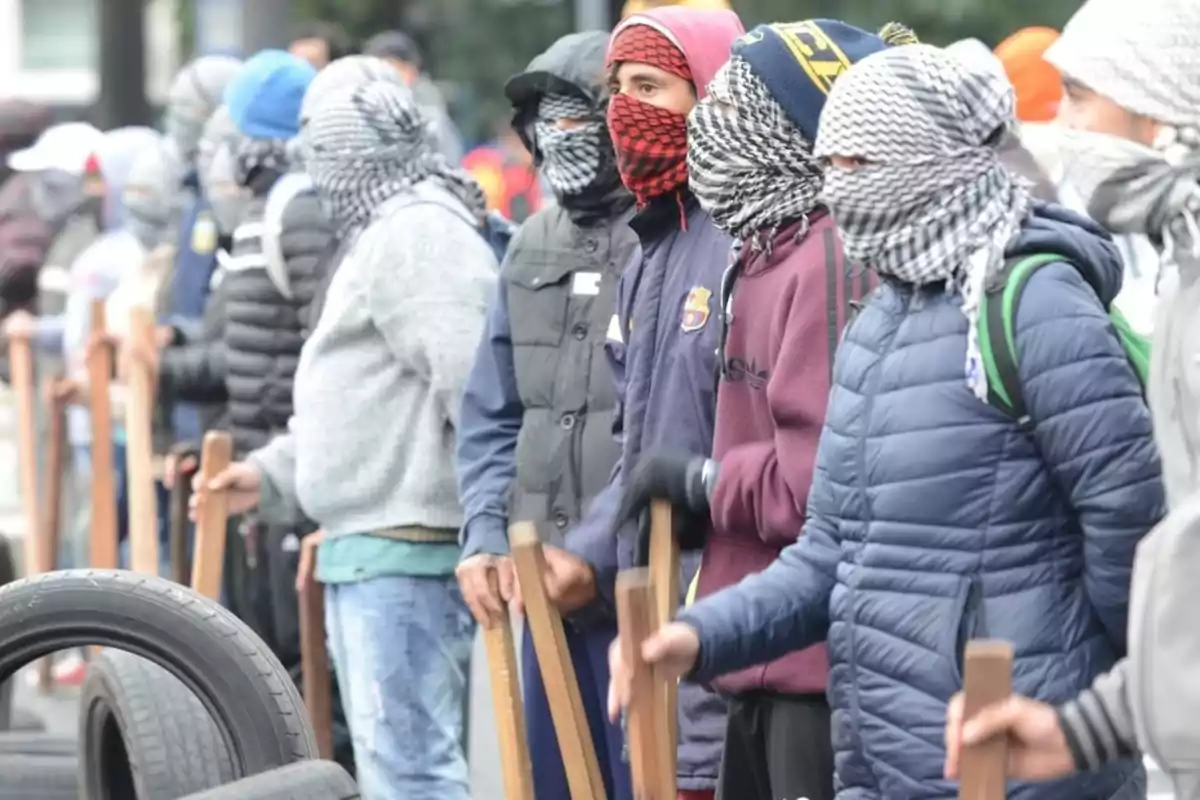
(370, 447)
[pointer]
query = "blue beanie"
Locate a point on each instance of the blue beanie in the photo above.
(264, 98)
(799, 61)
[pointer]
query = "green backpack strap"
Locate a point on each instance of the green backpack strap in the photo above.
(997, 334)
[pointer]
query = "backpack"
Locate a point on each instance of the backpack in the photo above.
(285, 190)
(997, 336)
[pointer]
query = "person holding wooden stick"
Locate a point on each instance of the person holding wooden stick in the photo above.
(935, 517)
(786, 298)
(663, 339)
(369, 455)
(519, 436)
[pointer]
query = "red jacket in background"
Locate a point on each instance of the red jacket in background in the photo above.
(788, 310)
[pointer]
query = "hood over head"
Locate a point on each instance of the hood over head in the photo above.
(151, 195)
(651, 142)
(703, 36)
(1083, 243)
(195, 93)
(368, 144)
(116, 155)
(568, 81)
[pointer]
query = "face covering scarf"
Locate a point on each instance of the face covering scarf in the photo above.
(571, 158)
(931, 203)
(254, 155)
(368, 145)
(650, 142)
(748, 164)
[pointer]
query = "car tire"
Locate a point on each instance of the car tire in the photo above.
(26, 777)
(308, 780)
(13, 743)
(241, 684)
(144, 734)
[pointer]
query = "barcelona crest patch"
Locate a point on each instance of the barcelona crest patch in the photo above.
(696, 309)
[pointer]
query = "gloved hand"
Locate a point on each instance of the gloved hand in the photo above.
(685, 481)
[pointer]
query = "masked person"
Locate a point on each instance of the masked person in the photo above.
(404, 316)
(1142, 176)
(786, 298)
(519, 435)
(916, 457)
(195, 94)
(662, 341)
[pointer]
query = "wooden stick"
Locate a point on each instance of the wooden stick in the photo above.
(315, 675)
(987, 679)
(104, 493)
(139, 452)
(558, 672)
(180, 553)
(20, 356)
(664, 569)
(52, 511)
(209, 557)
(652, 771)
(515, 763)
(20, 359)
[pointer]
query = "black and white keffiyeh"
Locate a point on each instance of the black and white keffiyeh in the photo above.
(364, 145)
(749, 166)
(930, 201)
(259, 154)
(571, 157)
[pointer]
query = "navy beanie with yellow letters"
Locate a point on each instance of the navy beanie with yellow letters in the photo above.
(799, 61)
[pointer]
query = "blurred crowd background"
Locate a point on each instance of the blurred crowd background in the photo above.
(110, 61)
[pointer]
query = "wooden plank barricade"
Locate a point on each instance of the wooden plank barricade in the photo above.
(51, 518)
(209, 557)
(315, 676)
(987, 679)
(139, 452)
(558, 672)
(651, 747)
(515, 763)
(104, 492)
(664, 571)
(180, 554)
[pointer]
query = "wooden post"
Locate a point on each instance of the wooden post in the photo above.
(20, 356)
(651, 749)
(987, 679)
(558, 672)
(20, 359)
(315, 675)
(209, 557)
(139, 452)
(51, 518)
(180, 553)
(664, 571)
(104, 493)
(506, 699)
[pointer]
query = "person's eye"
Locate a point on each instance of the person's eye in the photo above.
(646, 89)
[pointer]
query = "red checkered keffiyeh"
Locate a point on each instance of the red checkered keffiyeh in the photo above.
(650, 142)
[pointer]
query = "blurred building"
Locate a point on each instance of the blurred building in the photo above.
(49, 50)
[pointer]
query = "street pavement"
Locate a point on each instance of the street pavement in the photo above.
(59, 709)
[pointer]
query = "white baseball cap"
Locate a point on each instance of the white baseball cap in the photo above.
(66, 147)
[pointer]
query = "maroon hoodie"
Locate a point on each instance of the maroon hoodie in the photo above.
(788, 308)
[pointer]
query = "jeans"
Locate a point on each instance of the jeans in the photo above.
(401, 648)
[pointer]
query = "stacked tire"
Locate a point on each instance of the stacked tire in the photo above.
(185, 700)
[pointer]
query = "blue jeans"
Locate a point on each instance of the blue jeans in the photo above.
(401, 648)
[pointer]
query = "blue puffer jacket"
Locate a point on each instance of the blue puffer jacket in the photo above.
(934, 519)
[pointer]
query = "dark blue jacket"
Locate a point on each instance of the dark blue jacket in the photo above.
(663, 347)
(195, 261)
(934, 519)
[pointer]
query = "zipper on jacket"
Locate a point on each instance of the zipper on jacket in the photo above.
(969, 624)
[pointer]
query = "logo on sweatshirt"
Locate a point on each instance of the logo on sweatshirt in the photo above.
(696, 309)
